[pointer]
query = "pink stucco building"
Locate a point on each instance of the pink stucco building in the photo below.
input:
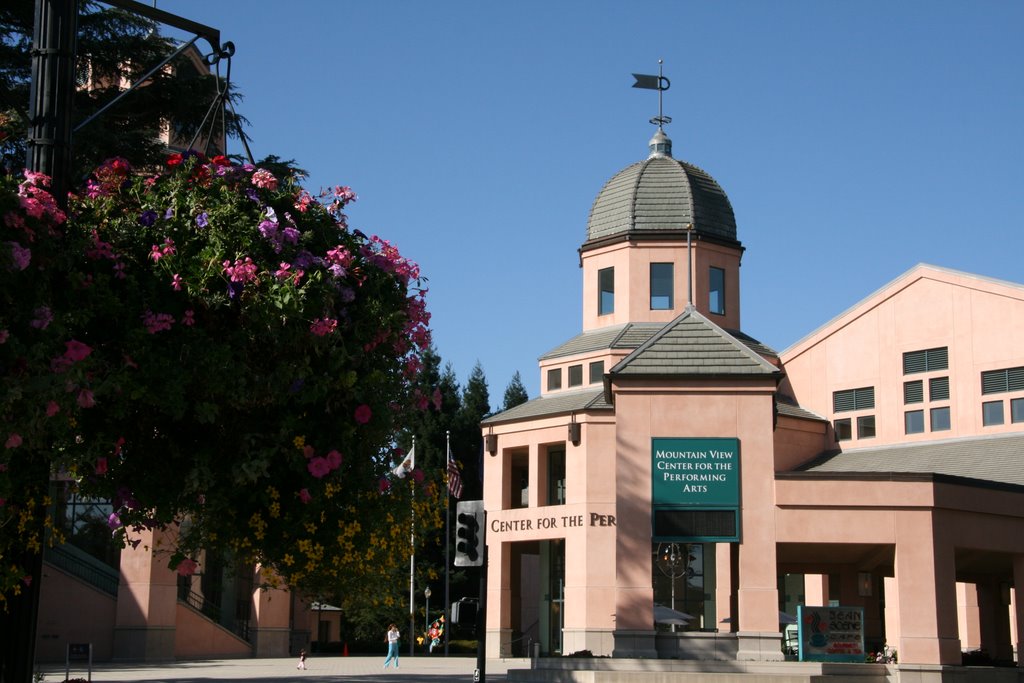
(673, 461)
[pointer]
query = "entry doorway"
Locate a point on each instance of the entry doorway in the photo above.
(537, 615)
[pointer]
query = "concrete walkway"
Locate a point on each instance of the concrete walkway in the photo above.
(323, 669)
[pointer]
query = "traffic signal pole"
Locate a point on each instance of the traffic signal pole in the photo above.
(471, 551)
(480, 675)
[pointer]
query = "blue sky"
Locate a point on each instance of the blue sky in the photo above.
(854, 139)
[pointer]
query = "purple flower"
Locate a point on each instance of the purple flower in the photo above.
(21, 255)
(268, 229)
(303, 260)
(202, 220)
(148, 217)
(251, 194)
(235, 289)
(169, 213)
(291, 235)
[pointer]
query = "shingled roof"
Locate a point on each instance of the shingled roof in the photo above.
(692, 345)
(627, 336)
(661, 194)
(553, 404)
(997, 458)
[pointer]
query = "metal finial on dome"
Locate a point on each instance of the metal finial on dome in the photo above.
(660, 145)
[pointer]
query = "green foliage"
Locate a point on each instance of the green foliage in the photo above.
(227, 362)
(515, 393)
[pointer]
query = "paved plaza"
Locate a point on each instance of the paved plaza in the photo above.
(422, 669)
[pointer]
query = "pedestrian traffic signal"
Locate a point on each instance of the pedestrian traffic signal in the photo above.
(469, 533)
(464, 611)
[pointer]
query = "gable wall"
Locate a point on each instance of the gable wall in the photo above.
(979, 321)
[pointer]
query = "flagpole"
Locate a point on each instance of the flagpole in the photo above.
(412, 559)
(447, 538)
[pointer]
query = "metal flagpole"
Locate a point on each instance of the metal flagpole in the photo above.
(412, 559)
(447, 539)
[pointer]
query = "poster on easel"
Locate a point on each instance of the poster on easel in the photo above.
(830, 634)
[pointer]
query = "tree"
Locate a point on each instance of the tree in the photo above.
(115, 47)
(216, 327)
(515, 393)
(475, 406)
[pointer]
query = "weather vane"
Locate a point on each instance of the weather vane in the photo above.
(659, 83)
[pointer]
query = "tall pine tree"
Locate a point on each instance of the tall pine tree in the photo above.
(515, 393)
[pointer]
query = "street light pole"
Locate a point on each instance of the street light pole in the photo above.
(426, 616)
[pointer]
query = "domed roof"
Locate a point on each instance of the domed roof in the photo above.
(661, 194)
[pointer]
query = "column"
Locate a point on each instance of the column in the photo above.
(147, 601)
(926, 580)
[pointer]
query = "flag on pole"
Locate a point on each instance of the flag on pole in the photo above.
(407, 465)
(454, 477)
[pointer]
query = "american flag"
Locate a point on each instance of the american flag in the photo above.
(454, 478)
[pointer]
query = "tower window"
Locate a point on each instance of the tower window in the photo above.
(575, 375)
(661, 286)
(554, 379)
(605, 291)
(597, 372)
(716, 291)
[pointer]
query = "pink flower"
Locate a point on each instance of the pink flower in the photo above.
(187, 567)
(176, 283)
(384, 484)
(189, 319)
(264, 179)
(308, 451)
(101, 465)
(157, 322)
(323, 326)
(113, 521)
(363, 414)
(52, 408)
(241, 271)
(13, 441)
(86, 399)
(43, 318)
(76, 350)
(333, 459)
(304, 495)
(318, 467)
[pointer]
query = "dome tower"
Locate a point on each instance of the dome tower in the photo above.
(661, 235)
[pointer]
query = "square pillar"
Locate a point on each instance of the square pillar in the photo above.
(147, 602)
(926, 581)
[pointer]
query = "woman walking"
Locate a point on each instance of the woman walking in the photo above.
(392, 639)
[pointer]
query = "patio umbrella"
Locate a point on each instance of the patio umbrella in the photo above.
(667, 615)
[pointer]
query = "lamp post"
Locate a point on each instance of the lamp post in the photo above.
(426, 616)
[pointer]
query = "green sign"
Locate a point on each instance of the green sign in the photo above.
(695, 472)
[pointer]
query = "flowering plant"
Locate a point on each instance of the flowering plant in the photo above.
(235, 362)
